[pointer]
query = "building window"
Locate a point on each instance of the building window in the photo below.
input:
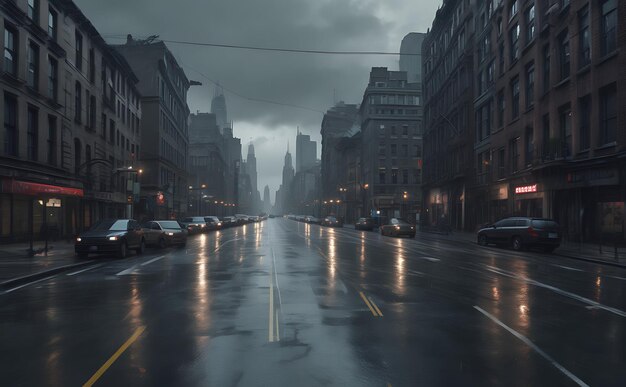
(10, 53)
(501, 107)
(530, 85)
(530, 146)
(491, 72)
(103, 124)
(79, 50)
(33, 10)
(405, 176)
(382, 149)
(501, 163)
(92, 66)
(584, 108)
(394, 149)
(501, 58)
(515, 98)
(514, 42)
(513, 9)
(92, 112)
(10, 125)
(584, 37)
(394, 176)
(565, 130)
(530, 23)
(33, 65)
(382, 172)
(52, 140)
(405, 150)
(52, 24)
(514, 153)
(545, 138)
(32, 133)
(608, 115)
(78, 102)
(608, 33)
(546, 68)
(111, 131)
(564, 55)
(52, 78)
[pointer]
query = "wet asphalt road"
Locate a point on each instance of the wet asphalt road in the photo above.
(288, 304)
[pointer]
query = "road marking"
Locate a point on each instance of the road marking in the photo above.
(615, 277)
(556, 290)
(28, 284)
(130, 270)
(277, 331)
(567, 267)
(533, 346)
(375, 307)
(84, 270)
(368, 304)
(431, 259)
(271, 322)
(113, 358)
(153, 260)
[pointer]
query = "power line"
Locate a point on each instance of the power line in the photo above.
(277, 49)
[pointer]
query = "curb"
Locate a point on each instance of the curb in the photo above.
(8, 284)
(598, 261)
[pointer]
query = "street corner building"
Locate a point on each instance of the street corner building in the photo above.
(541, 91)
(71, 135)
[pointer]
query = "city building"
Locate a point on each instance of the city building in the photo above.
(550, 145)
(71, 124)
(267, 202)
(218, 107)
(447, 55)
(165, 141)
(391, 130)
(411, 56)
(251, 169)
(306, 152)
(285, 188)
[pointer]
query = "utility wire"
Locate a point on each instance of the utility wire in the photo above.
(277, 49)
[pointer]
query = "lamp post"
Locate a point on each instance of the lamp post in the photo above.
(364, 188)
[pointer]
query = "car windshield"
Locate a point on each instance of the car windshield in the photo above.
(399, 222)
(169, 225)
(331, 219)
(540, 223)
(111, 225)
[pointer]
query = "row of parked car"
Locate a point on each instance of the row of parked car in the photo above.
(328, 221)
(197, 224)
(120, 236)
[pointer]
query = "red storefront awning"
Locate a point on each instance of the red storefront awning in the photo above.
(34, 189)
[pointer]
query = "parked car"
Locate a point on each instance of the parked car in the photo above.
(366, 224)
(312, 220)
(212, 223)
(164, 233)
(521, 233)
(107, 236)
(331, 221)
(242, 219)
(398, 227)
(254, 219)
(228, 221)
(194, 224)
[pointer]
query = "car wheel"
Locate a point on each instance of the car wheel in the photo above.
(549, 249)
(482, 240)
(161, 243)
(122, 252)
(142, 247)
(516, 243)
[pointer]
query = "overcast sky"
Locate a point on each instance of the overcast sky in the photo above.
(300, 79)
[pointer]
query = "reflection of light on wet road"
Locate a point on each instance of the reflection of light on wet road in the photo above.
(399, 283)
(201, 288)
(332, 251)
(203, 241)
(496, 293)
(598, 288)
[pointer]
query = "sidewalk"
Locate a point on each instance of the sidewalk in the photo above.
(584, 251)
(17, 266)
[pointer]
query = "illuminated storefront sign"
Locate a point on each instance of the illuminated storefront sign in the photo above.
(34, 189)
(526, 189)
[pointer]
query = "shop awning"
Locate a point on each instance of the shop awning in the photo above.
(36, 189)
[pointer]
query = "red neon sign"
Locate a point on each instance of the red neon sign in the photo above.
(526, 189)
(26, 188)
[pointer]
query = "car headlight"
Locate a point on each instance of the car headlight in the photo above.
(412, 228)
(79, 239)
(170, 233)
(219, 224)
(202, 225)
(112, 238)
(397, 227)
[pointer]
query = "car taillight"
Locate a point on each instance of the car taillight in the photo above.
(532, 232)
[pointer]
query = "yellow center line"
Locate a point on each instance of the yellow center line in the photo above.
(113, 358)
(368, 304)
(375, 307)
(271, 316)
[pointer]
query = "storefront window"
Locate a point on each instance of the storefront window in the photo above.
(611, 217)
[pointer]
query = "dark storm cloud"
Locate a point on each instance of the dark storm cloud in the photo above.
(300, 79)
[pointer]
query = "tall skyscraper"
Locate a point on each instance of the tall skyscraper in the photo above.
(218, 107)
(410, 56)
(267, 204)
(306, 152)
(288, 174)
(251, 169)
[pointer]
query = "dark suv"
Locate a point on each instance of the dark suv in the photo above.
(520, 233)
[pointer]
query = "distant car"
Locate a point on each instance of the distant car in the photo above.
(521, 233)
(331, 221)
(228, 221)
(254, 219)
(272, 216)
(164, 233)
(212, 223)
(194, 224)
(107, 236)
(366, 224)
(242, 219)
(312, 220)
(398, 227)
